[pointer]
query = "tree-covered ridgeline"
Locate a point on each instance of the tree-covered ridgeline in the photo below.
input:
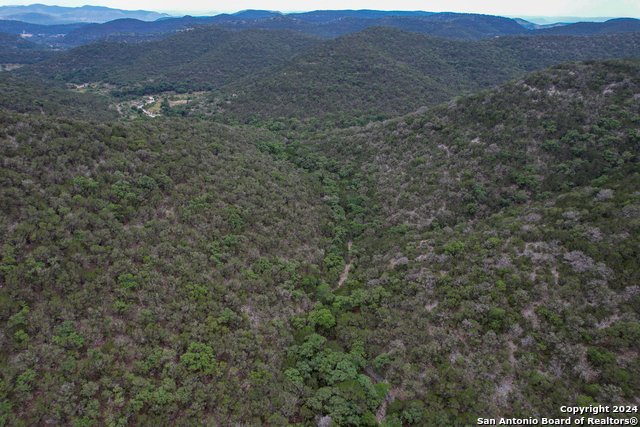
(381, 73)
(287, 80)
(198, 59)
(325, 24)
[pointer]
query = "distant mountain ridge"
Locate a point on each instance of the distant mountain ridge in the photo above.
(446, 25)
(327, 24)
(618, 25)
(19, 27)
(318, 16)
(49, 15)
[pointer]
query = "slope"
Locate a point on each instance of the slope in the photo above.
(43, 14)
(620, 25)
(18, 96)
(15, 51)
(502, 230)
(330, 15)
(450, 25)
(447, 25)
(382, 72)
(89, 33)
(178, 271)
(18, 27)
(201, 58)
(12, 41)
(178, 231)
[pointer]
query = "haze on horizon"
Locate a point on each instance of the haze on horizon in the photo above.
(541, 8)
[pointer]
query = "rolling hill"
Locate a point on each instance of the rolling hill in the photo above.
(198, 59)
(17, 51)
(383, 72)
(39, 31)
(326, 24)
(620, 25)
(329, 15)
(378, 73)
(49, 15)
(14, 42)
(18, 96)
(449, 25)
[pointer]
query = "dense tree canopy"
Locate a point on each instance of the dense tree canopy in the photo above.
(479, 258)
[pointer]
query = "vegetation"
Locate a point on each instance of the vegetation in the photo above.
(186, 232)
(620, 25)
(381, 72)
(285, 80)
(16, 50)
(19, 27)
(203, 58)
(327, 24)
(25, 97)
(446, 25)
(12, 41)
(479, 258)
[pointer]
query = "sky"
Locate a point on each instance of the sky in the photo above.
(555, 8)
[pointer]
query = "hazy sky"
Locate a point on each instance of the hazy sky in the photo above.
(584, 8)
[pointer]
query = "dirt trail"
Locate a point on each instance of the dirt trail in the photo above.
(151, 100)
(345, 273)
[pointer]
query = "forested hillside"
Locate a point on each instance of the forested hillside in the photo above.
(261, 77)
(382, 72)
(203, 58)
(16, 50)
(620, 25)
(14, 42)
(326, 24)
(186, 223)
(447, 25)
(18, 27)
(479, 258)
(23, 97)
